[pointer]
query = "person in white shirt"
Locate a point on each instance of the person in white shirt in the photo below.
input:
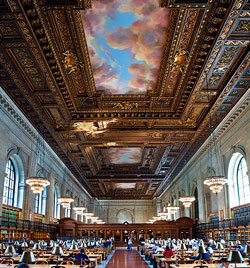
(159, 250)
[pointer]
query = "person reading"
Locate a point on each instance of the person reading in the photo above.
(168, 252)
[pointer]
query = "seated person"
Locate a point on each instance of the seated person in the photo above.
(159, 250)
(82, 256)
(224, 263)
(168, 252)
(23, 265)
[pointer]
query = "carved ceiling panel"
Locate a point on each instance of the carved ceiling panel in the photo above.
(124, 140)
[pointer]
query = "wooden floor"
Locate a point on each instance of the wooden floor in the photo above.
(126, 259)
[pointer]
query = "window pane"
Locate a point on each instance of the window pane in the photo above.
(243, 182)
(9, 184)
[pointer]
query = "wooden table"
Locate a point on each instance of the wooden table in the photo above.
(43, 266)
(168, 261)
(96, 256)
(215, 265)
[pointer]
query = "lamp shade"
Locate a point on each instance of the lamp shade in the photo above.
(219, 246)
(183, 247)
(27, 257)
(16, 243)
(24, 245)
(234, 256)
(201, 243)
(74, 247)
(73, 242)
(31, 242)
(201, 249)
(37, 247)
(247, 249)
(57, 250)
(230, 244)
(2, 246)
(10, 250)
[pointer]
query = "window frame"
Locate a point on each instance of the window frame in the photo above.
(239, 171)
(11, 177)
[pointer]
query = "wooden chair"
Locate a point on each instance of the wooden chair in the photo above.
(216, 261)
(200, 262)
(66, 262)
(51, 261)
(6, 261)
(41, 262)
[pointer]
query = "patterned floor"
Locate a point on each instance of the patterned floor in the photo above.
(123, 258)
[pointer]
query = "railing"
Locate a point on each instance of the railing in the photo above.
(228, 223)
(25, 224)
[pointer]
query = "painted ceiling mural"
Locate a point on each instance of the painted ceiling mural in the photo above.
(128, 155)
(125, 40)
(124, 185)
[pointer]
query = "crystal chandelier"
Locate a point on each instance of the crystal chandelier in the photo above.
(88, 214)
(187, 201)
(65, 201)
(37, 184)
(172, 209)
(215, 182)
(79, 210)
(163, 214)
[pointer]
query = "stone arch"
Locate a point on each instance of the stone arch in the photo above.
(15, 155)
(238, 155)
(124, 215)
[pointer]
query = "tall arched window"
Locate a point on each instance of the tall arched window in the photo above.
(9, 184)
(36, 203)
(76, 205)
(56, 204)
(238, 178)
(14, 180)
(68, 209)
(40, 202)
(40, 199)
(196, 204)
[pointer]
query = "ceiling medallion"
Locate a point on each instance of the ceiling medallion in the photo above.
(125, 105)
(180, 59)
(187, 201)
(71, 62)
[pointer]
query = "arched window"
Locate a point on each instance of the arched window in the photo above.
(76, 205)
(40, 199)
(238, 178)
(68, 209)
(40, 202)
(243, 182)
(196, 204)
(36, 203)
(14, 181)
(9, 184)
(56, 204)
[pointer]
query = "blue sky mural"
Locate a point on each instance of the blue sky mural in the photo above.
(125, 40)
(128, 155)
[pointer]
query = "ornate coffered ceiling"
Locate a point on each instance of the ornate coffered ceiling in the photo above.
(124, 145)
